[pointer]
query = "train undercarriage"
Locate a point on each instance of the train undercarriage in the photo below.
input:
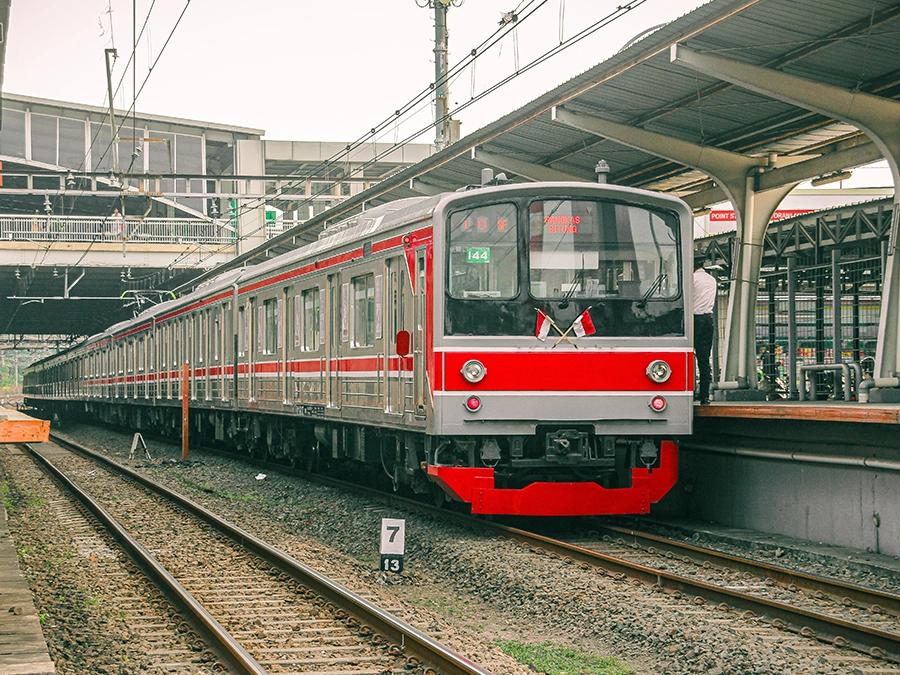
(561, 470)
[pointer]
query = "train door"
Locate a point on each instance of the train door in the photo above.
(419, 335)
(393, 313)
(333, 341)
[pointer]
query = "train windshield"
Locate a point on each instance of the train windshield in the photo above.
(484, 253)
(592, 249)
(563, 255)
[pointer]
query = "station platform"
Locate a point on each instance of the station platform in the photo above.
(815, 411)
(23, 650)
(17, 427)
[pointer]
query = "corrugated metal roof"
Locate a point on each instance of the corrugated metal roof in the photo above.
(848, 44)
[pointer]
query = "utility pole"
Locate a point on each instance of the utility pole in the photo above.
(446, 129)
(112, 117)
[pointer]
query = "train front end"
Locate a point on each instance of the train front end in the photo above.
(562, 368)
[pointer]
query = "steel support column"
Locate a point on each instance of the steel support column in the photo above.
(737, 176)
(878, 117)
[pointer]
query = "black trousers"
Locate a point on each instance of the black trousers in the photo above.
(703, 339)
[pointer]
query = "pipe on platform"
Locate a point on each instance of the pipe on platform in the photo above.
(819, 367)
(888, 382)
(806, 457)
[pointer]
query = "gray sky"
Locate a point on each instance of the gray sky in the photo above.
(301, 69)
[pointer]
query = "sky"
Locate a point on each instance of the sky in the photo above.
(305, 70)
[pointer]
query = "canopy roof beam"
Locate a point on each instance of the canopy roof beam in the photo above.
(877, 116)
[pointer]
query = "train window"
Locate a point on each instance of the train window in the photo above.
(216, 334)
(483, 259)
(269, 327)
(202, 318)
(311, 318)
(259, 328)
(242, 330)
(279, 319)
(297, 321)
(363, 310)
(593, 249)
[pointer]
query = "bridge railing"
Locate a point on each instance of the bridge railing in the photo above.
(114, 228)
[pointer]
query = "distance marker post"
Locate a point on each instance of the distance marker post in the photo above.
(393, 544)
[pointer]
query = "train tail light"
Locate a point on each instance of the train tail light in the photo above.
(658, 404)
(473, 404)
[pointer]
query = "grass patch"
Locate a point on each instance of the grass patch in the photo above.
(559, 660)
(6, 495)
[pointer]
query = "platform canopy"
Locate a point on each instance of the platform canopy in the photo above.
(565, 132)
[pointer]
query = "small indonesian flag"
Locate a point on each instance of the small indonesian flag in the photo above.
(584, 325)
(542, 326)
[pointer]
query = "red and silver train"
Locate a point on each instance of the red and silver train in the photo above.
(522, 348)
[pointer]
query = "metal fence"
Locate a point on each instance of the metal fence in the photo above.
(94, 228)
(817, 314)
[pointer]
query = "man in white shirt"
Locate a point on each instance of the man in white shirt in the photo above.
(704, 301)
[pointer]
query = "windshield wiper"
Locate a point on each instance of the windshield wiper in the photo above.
(568, 296)
(655, 286)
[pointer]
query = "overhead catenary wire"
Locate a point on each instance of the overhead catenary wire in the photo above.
(607, 19)
(114, 134)
(453, 72)
(425, 94)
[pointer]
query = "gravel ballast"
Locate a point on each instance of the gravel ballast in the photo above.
(98, 611)
(475, 588)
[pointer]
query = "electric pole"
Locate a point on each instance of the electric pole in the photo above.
(446, 129)
(112, 116)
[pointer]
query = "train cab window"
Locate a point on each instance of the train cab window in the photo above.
(585, 249)
(484, 252)
(311, 319)
(363, 310)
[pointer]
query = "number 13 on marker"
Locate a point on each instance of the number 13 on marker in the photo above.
(393, 543)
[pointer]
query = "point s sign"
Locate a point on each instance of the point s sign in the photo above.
(726, 215)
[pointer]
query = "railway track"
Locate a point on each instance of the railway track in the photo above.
(259, 609)
(828, 610)
(813, 608)
(159, 639)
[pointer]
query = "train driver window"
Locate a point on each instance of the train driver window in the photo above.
(483, 260)
(363, 310)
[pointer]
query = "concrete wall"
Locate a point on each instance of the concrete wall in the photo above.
(846, 506)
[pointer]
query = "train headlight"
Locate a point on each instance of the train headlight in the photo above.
(474, 371)
(659, 371)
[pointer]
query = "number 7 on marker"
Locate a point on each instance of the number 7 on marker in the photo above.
(393, 536)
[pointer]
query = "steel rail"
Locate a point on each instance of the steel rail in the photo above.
(868, 597)
(808, 623)
(423, 647)
(235, 656)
